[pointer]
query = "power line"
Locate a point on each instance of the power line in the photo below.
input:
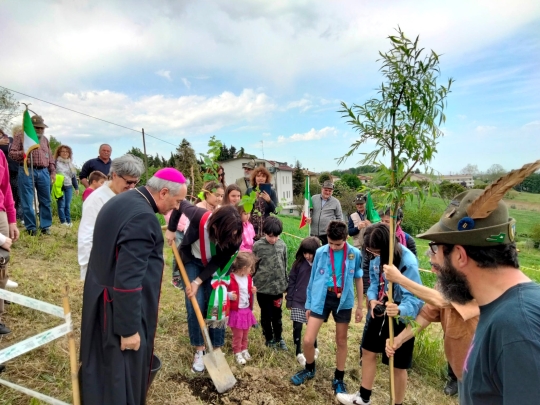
(88, 115)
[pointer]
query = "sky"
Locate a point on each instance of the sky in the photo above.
(269, 76)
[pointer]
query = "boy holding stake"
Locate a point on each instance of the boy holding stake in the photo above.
(337, 268)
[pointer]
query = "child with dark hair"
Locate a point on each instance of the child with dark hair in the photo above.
(381, 313)
(271, 280)
(296, 292)
(240, 291)
(404, 238)
(337, 269)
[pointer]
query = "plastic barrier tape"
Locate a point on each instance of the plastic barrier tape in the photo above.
(32, 303)
(34, 394)
(34, 342)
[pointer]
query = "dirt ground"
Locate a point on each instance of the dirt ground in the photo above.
(43, 266)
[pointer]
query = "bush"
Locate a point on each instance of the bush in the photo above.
(535, 235)
(418, 220)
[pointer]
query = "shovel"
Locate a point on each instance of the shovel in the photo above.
(214, 360)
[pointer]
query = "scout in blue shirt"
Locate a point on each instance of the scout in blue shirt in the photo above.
(336, 270)
(406, 305)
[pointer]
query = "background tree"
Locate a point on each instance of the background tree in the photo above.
(351, 180)
(470, 169)
(185, 160)
(531, 184)
(241, 152)
(404, 124)
(324, 176)
(54, 143)
(298, 180)
(9, 109)
(494, 172)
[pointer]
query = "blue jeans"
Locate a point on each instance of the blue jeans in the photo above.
(217, 335)
(64, 205)
(42, 183)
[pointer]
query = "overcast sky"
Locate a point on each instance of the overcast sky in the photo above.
(270, 74)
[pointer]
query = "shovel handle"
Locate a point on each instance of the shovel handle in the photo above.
(193, 299)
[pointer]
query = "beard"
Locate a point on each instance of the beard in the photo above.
(452, 283)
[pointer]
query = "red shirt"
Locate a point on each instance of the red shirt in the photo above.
(6, 198)
(86, 193)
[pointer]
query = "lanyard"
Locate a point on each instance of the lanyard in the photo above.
(342, 269)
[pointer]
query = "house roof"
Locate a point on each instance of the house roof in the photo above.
(281, 165)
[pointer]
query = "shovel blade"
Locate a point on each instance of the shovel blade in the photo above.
(219, 370)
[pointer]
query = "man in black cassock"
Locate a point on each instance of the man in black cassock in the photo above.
(121, 292)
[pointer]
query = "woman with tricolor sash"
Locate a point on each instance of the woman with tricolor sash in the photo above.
(207, 251)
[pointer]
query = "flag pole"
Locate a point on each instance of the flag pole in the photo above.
(34, 192)
(308, 213)
(145, 156)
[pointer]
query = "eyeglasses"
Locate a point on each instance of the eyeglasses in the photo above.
(371, 254)
(130, 182)
(434, 247)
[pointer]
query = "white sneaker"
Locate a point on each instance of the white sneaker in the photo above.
(198, 364)
(351, 399)
(70, 225)
(240, 359)
(11, 284)
(301, 359)
(246, 355)
(66, 224)
(316, 354)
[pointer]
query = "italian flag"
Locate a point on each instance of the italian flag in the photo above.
(31, 140)
(307, 204)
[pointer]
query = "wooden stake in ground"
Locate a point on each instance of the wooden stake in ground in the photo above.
(391, 320)
(72, 352)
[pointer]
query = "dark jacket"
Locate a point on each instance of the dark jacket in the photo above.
(194, 214)
(298, 282)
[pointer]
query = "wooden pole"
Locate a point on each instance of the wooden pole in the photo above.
(145, 157)
(72, 352)
(391, 320)
(36, 216)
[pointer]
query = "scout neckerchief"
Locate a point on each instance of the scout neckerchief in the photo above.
(342, 269)
(218, 304)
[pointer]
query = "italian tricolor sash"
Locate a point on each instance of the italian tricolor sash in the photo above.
(218, 303)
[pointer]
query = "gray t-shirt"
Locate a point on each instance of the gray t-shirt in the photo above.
(503, 363)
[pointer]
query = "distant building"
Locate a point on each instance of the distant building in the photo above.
(459, 179)
(281, 176)
(364, 179)
(420, 177)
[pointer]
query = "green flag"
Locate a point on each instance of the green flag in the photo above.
(31, 140)
(371, 212)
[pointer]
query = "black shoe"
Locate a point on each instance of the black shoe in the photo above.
(31, 232)
(2, 368)
(46, 231)
(451, 387)
(4, 330)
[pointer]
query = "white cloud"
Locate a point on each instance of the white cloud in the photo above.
(186, 82)
(312, 135)
(530, 126)
(164, 73)
(485, 128)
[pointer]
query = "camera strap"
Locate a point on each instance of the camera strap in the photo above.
(342, 270)
(381, 293)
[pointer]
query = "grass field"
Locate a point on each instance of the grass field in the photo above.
(43, 265)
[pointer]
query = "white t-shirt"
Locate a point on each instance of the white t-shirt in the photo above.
(243, 289)
(91, 208)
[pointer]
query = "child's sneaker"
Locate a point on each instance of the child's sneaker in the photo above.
(339, 387)
(351, 399)
(302, 376)
(301, 359)
(271, 344)
(316, 354)
(282, 345)
(246, 355)
(176, 282)
(240, 359)
(198, 364)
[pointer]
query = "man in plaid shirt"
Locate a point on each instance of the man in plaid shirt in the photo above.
(44, 169)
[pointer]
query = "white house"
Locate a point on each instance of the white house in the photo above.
(460, 178)
(281, 173)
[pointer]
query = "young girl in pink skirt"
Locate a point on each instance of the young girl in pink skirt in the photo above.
(241, 291)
